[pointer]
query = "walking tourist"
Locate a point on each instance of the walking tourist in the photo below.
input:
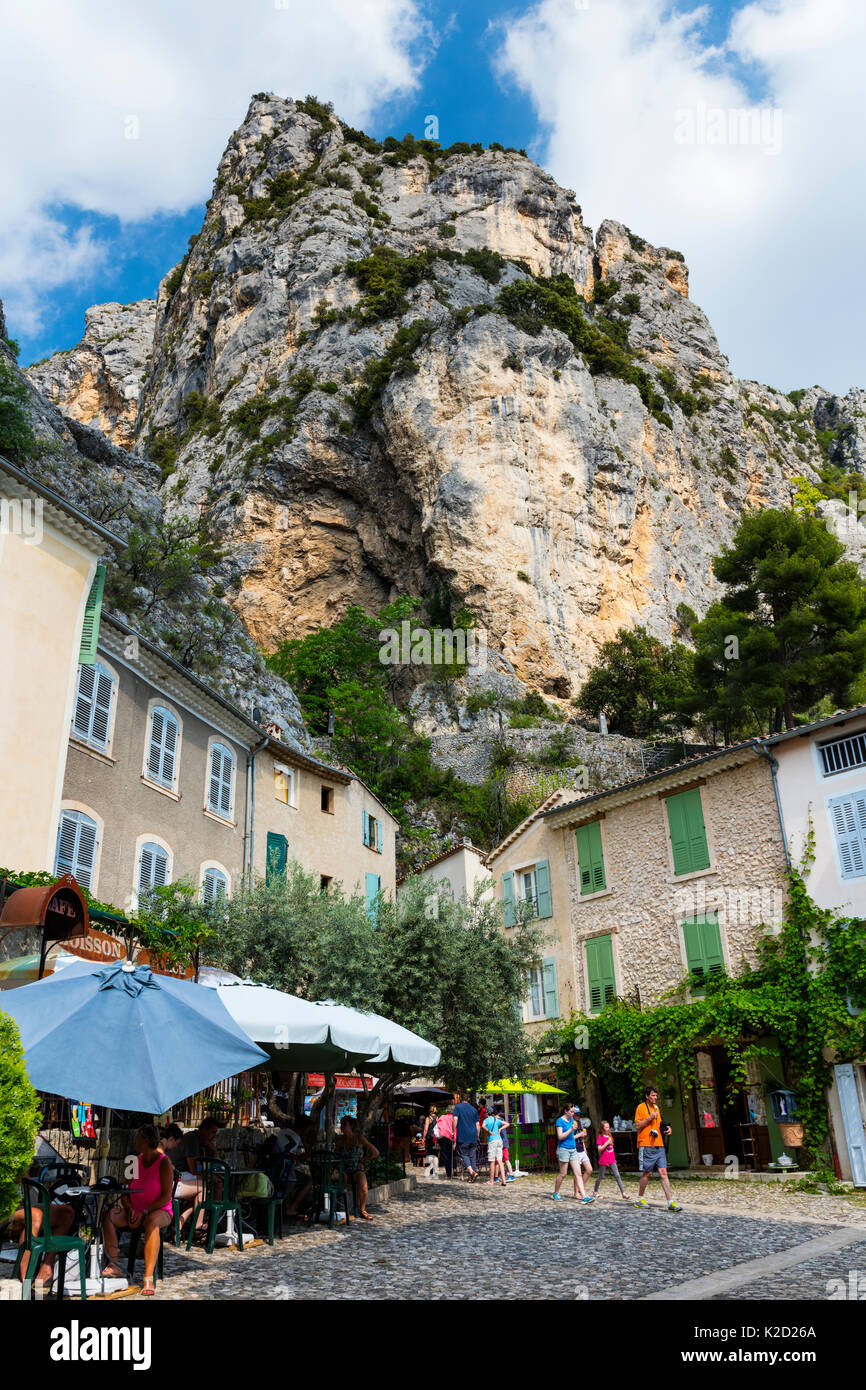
(430, 1134)
(567, 1154)
(580, 1144)
(147, 1205)
(506, 1163)
(651, 1135)
(468, 1129)
(447, 1129)
(495, 1126)
(607, 1165)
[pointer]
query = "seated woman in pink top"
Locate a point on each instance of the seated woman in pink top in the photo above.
(146, 1205)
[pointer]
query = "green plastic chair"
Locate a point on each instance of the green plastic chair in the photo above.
(215, 1207)
(45, 1243)
(327, 1172)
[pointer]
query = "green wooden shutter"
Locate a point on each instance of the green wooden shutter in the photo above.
(277, 852)
(373, 889)
(590, 858)
(508, 898)
(599, 967)
(92, 614)
(703, 942)
(548, 984)
(688, 835)
(542, 888)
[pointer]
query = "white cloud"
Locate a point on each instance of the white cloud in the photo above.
(72, 72)
(774, 241)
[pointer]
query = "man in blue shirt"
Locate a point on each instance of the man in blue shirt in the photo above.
(468, 1129)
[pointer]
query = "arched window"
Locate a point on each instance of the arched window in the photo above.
(76, 847)
(91, 719)
(220, 780)
(214, 885)
(162, 746)
(153, 866)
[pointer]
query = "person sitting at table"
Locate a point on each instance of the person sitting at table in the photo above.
(349, 1138)
(147, 1205)
(172, 1136)
(62, 1217)
(187, 1158)
(300, 1182)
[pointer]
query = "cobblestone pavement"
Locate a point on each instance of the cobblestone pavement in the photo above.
(434, 1244)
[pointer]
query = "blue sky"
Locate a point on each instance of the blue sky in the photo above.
(588, 87)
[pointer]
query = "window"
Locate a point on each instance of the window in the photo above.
(373, 888)
(704, 956)
(162, 747)
(214, 884)
(153, 870)
(530, 884)
(543, 998)
(324, 883)
(688, 835)
(590, 859)
(599, 972)
(284, 784)
(92, 614)
(91, 720)
(328, 800)
(220, 780)
(76, 847)
(848, 814)
(843, 754)
(372, 832)
(277, 855)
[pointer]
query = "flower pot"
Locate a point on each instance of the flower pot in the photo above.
(792, 1133)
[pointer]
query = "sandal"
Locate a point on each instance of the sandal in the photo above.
(148, 1290)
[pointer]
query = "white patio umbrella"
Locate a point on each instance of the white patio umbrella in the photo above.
(298, 1035)
(400, 1049)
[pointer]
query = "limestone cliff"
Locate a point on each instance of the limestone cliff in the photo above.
(391, 368)
(99, 381)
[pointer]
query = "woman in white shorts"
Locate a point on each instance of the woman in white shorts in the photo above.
(567, 1155)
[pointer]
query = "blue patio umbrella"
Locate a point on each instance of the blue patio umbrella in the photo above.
(125, 1038)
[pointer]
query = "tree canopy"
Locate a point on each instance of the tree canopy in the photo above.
(637, 681)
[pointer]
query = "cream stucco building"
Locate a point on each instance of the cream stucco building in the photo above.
(49, 553)
(463, 868)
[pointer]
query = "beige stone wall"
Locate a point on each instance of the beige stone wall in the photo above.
(535, 843)
(322, 842)
(644, 905)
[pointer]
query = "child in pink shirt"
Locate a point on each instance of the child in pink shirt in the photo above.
(607, 1160)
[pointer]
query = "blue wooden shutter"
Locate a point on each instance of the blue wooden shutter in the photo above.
(92, 716)
(153, 867)
(542, 889)
(92, 614)
(277, 854)
(378, 836)
(688, 833)
(508, 898)
(590, 858)
(373, 888)
(366, 822)
(551, 994)
(848, 814)
(76, 847)
(163, 746)
(220, 781)
(214, 885)
(599, 969)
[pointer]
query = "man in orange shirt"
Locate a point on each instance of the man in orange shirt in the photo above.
(651, 1134)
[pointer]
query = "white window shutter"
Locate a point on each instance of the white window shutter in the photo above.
(163, 747)
(153, 868)
(221, 768)
(76, 847)
(101, 718)
(145, 873)
(849, 821)
(214, 885)
(84, 701)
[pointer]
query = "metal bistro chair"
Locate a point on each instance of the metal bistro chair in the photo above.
(214, 1206)
(136, 1235)
(327, 1171)
(279, 1170)
(46, 1243)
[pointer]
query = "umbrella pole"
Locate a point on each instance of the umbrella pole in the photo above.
(104, 1143)
(236, 1137)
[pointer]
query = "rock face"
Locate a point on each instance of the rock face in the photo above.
(366, 401)
(99, 381)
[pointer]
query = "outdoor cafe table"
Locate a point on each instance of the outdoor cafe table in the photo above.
(98, 1196)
